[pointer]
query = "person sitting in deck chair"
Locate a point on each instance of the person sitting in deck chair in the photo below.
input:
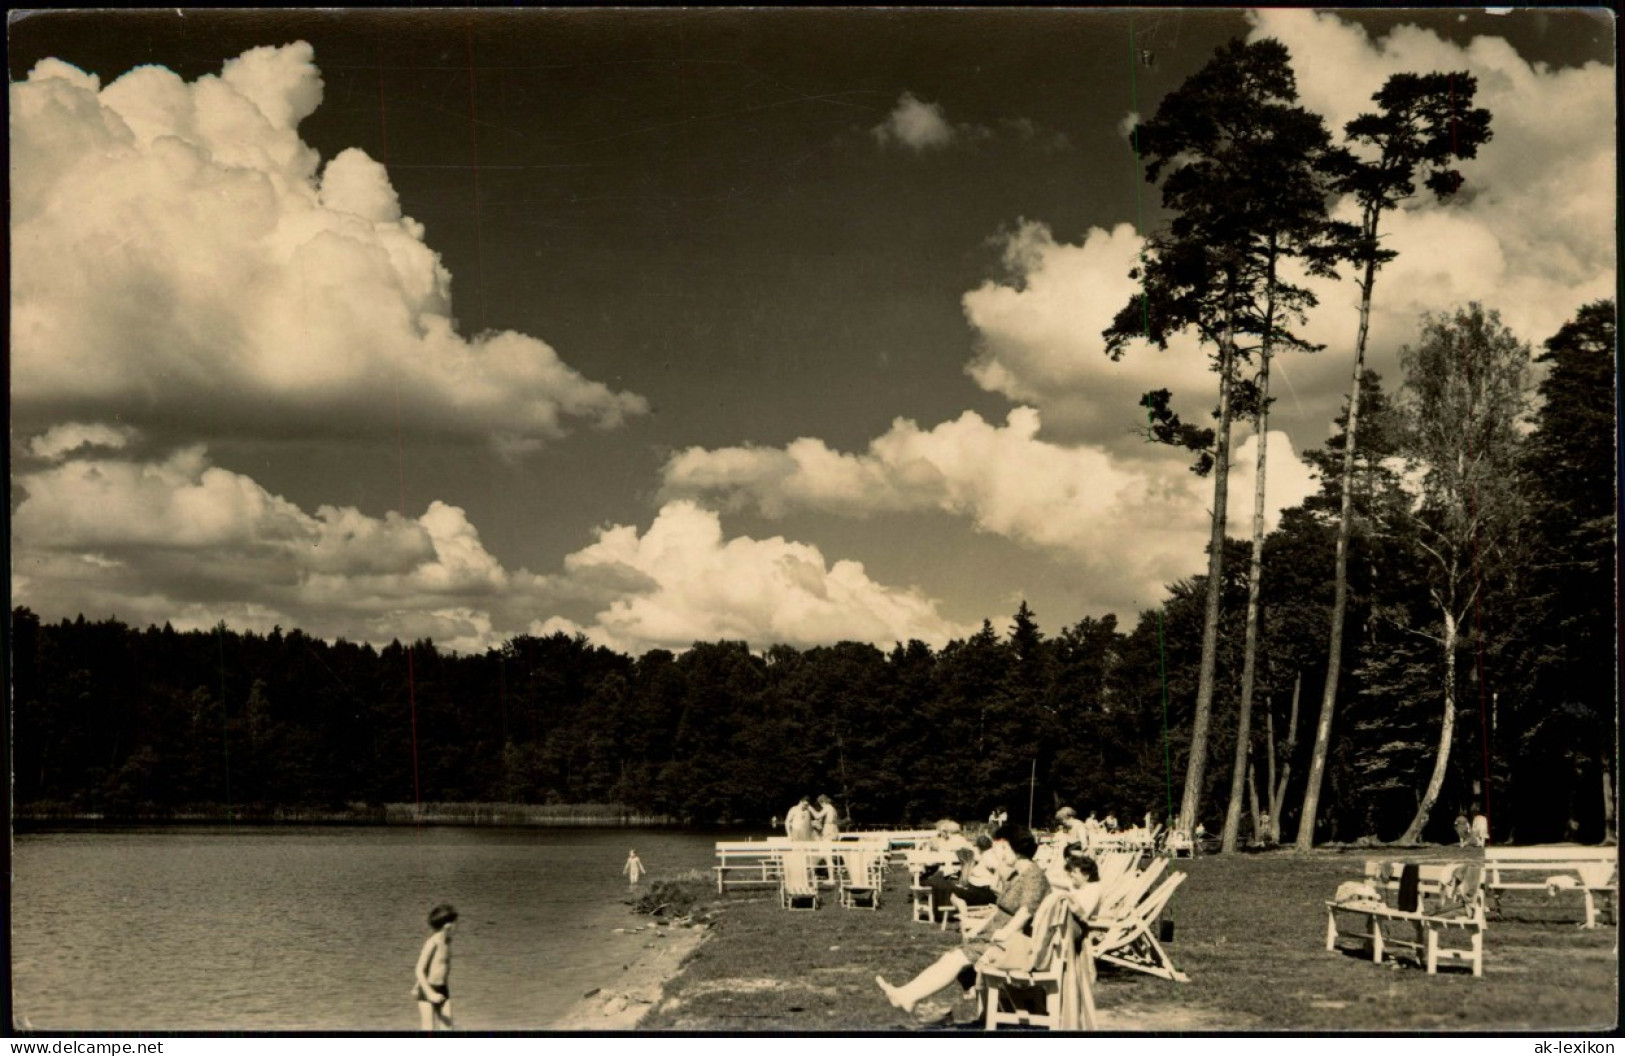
(1007, 935)
(970, 881)
(1068, 829)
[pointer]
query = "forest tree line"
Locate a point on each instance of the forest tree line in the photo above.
(1433, 631)
(123, 721)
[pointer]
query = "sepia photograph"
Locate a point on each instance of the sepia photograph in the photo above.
(852, 521)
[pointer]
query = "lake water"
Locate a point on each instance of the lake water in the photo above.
(306, 928)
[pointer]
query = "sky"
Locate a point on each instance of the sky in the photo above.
(664, 326)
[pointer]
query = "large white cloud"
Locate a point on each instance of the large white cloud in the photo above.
(1533, 235)
(181, 257)
(705, 587)
(1039, 336)
(1534, 232)
(177, 538)
(1135, 524)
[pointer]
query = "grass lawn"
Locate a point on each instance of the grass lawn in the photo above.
(1249, 930)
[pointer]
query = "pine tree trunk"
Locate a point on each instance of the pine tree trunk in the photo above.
(1190, 801)
(1252, 800)
(1249, 662)
(1278, 797)
(1447, 730)
(1340, 594)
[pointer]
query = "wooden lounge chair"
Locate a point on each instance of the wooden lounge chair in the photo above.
(1121, 895)
(1113, 865)
(921, 896)
(798, 886)
(1128, 939)
(1009, 991)
(863, 874)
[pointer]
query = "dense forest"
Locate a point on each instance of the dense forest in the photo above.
(123, 721)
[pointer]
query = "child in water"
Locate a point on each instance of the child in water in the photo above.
(633, 868)
(433, 989)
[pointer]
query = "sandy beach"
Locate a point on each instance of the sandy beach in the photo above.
(623, 1004)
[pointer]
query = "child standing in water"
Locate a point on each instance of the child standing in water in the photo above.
(633, 868)
(433, 989)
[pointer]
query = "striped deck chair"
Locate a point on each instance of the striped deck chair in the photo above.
(798, 886)
(863, 874)
(1129, 938)
(1119, 896)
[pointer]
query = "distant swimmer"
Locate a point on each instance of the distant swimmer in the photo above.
(433, 989)
(633, 868)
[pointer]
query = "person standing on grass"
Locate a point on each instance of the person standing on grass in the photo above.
(1464, 830)
(633, 868)
(798, 824)
(827, 819)
(1481, 828)
(433, 989)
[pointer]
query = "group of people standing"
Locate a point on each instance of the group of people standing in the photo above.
(1475, 833)
(805, 823)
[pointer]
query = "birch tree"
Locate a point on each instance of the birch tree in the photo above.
(1423, 123)
(1464, 397)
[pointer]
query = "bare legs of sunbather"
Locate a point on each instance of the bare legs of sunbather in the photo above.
(944, 971)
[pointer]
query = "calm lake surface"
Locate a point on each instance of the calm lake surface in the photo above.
(291, 928)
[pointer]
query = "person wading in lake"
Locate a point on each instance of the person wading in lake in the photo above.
(633, 868)
(433, 989)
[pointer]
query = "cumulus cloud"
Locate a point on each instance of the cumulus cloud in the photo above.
(1134, 523)
(1534, 233)
(183, 259)
(178, 538)
(1532, 236)
(68, 437)
(1039, 336)
(704, 587)
(161, 539)
(915, 124)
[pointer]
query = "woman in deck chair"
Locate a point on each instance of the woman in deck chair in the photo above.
(971, 881)
(1007, 934)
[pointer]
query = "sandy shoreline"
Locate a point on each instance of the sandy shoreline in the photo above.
(621, 1005)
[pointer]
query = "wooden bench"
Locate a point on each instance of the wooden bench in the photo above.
(1591, 871)
(748, 863)
(760, 863)
(1449, 901)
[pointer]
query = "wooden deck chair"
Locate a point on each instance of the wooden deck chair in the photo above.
(861, 879)
(1007, 990)
(973, 920)
(1114, 866)
(921, 896)
(1130, 940)
(1118, 899)
(798, 887)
